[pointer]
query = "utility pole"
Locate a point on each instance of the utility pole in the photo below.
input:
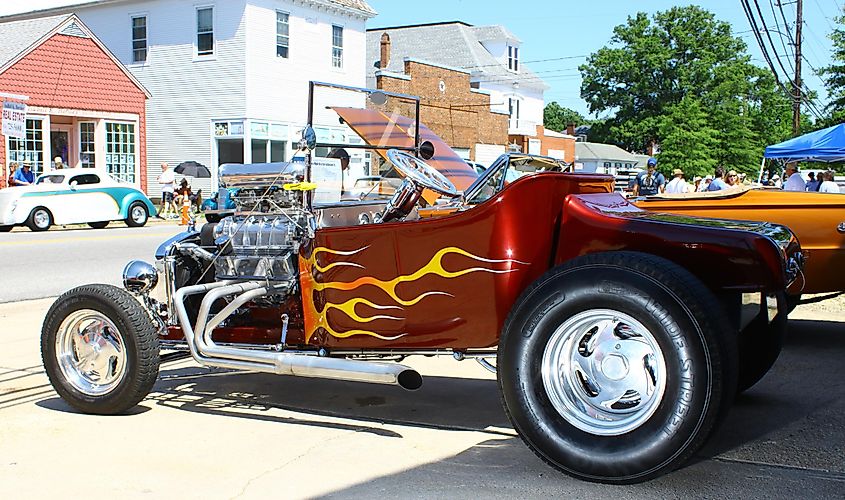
(797, 96)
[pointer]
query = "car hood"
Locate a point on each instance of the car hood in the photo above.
(379, 129)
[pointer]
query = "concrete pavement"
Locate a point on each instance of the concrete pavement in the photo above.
(215, 434)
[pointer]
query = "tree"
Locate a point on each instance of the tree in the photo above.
(688, 141)
(834, 76)
(684, 59)
(557, 117)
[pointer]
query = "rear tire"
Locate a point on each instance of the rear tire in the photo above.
(617, 367)
(100, 349)
(137, 215)
(5, 229)
(98, 225)
(40, 219)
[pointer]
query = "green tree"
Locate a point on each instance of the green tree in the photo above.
(688, 141)
(684, 54)
(557, 117)
(834, 76)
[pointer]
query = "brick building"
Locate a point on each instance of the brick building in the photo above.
(83, 105)
(449, 106)
(545, 142)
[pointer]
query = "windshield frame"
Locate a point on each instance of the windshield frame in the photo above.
(502, 162)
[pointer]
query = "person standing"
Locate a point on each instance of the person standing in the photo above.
(24, 176)
(794, 181)
(718, 183)
(827, 185)
(167, 179)
(678, 184)
(649, 182)
(813, 183)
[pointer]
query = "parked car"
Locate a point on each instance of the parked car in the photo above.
(817, 219)
(219, 205)
(73, 196)
(618, 348)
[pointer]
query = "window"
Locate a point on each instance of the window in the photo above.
(282, 34)
(84, 179)
(205, 31)
(120, 151)
(513, 113)
(31, 148)
(337, 46)
(50, 179)
(86, 145)
(607, 164)
(513, 58)
(139, 39)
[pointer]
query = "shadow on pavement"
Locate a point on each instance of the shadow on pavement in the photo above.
(58, 404)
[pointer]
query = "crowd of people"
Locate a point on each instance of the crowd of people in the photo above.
(650, 181)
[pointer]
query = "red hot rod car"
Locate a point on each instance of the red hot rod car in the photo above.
(621, 336)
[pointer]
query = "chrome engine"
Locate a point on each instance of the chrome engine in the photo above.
(270, 224)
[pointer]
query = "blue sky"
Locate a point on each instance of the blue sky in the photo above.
(555, 29)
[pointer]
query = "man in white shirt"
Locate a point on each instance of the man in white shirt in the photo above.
(678, 184)
(167, 179)
(794, 181)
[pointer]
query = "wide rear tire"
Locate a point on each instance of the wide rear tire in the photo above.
(100, 349)
(616, 367)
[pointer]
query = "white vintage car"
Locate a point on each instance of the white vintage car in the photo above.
(73, 196)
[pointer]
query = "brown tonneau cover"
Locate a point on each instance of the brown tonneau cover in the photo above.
(379, 129)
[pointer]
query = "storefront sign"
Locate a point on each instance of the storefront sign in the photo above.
(14, 119)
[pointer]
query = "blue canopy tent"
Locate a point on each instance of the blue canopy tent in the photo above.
(826, 145)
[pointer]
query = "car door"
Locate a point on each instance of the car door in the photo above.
(91, 200)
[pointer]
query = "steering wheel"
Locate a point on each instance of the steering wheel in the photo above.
(421, 173)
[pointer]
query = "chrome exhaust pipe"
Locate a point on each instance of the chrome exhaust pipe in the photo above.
(207, 353)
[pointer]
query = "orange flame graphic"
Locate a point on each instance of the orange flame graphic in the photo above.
(315, 319)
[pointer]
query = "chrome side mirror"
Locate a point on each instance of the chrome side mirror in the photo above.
(309, 139)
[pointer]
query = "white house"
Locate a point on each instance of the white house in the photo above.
(491, 54)
(229, 78)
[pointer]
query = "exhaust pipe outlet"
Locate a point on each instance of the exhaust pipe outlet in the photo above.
(349, 370)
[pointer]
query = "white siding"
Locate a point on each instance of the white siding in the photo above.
(277, 88)
(530, 108)
(186, 92)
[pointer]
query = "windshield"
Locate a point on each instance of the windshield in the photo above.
(51, 179)
(507, 169)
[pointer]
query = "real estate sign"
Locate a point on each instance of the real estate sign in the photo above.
(14, 119)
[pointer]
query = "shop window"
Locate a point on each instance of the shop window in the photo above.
(277, 151)
(230, 151)
(139, 39)
(259, 151)
(282, 34)
(86, 145)
(205, 31)
(337, 46)
(120, 151)
(31, 148)
(513, 111)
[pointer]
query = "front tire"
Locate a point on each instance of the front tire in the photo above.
(616, 367)
(40, 219)
(100, 349)
(137, 215)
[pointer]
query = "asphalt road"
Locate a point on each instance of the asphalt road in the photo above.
(36, 265)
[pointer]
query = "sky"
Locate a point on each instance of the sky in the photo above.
(557, 35)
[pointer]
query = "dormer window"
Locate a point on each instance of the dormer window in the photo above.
(513, 58)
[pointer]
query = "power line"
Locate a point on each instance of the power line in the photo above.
(526, 62)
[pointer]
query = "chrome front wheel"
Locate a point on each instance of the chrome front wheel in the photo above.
(91, 352)
(604, 372)
(100, 349)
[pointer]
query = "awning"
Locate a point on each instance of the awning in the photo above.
(826, 145)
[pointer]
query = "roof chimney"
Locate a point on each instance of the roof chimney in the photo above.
(570, 128)
(385, 51)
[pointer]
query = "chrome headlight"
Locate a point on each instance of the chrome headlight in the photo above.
(139, 277)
